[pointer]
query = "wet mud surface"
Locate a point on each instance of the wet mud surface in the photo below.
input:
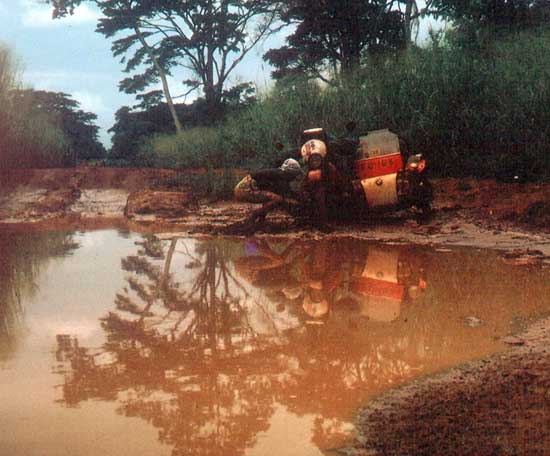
(153, 200)
(496, 404)
(500, 405)
(34, 196)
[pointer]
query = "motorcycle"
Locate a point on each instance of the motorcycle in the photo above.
(368, 173)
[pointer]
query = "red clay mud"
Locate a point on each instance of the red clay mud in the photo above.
(496, 406)
(499, 405)
(34, 196)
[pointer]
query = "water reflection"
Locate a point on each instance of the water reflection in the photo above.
(207, 340)
(21, 261)
(326, 277)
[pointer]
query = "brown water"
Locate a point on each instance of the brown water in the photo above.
(115, 344)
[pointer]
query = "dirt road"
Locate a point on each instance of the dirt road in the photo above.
(157, 200)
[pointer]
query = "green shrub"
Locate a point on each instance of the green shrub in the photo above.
(193, 148)
(482, 113)
(26, 139)
(209, 184)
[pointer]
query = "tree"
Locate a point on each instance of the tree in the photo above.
(127, 132)
(332, 35)
(63, 112)
(209, 38)
(132, 125)
(478, 20)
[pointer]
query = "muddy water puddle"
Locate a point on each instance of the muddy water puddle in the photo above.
(112, 343)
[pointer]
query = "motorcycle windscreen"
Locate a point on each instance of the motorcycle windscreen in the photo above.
(381, 191)
(378, 143)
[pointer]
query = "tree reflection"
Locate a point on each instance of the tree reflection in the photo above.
(181, 356)
(23, 257)
(206, 338)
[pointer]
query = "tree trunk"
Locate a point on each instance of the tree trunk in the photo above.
(213, 99)
(162, 74)
(408, 21)
(212, 88)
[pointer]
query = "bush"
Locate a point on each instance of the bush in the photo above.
(210, 184)
(480, 113)
(193, 148)
(26, 140)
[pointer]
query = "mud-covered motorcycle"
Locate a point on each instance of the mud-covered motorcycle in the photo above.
(366, 173)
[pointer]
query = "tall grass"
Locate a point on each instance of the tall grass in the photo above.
(193, 148)
(484, 113)
(26, 140)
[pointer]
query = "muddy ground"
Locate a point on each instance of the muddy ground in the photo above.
(484, 213)
(495, 406)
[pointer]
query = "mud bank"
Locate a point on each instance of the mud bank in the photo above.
(467, 212)
(34, 196)
(499, 405)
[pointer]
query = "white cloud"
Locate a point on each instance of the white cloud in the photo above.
(62, 80)
(91, 102)
(39, 15)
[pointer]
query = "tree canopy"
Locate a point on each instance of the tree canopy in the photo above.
(132, 125)
(63, 112)
(208, 38)
(488, 18)
(333, 35)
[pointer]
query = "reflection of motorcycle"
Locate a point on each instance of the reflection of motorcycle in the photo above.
(379, 177)
(322, 278)
(385, 281)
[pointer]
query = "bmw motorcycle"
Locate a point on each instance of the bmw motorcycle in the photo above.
(373, 172)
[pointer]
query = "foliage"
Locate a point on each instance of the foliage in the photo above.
(475, 102)
(42, 129)
(208, 38)
(63, 112)
(213, 184)
(478, 22)
(193, 148)
(471, 113)
(27, 138)
(132, 126)
(332, 35)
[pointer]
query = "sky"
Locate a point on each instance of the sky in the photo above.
(67, 55)
(64, 56)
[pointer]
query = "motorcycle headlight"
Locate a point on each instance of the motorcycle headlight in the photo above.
(416, 163)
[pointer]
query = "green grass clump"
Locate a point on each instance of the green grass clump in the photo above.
(210, 184)
(193, 148)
